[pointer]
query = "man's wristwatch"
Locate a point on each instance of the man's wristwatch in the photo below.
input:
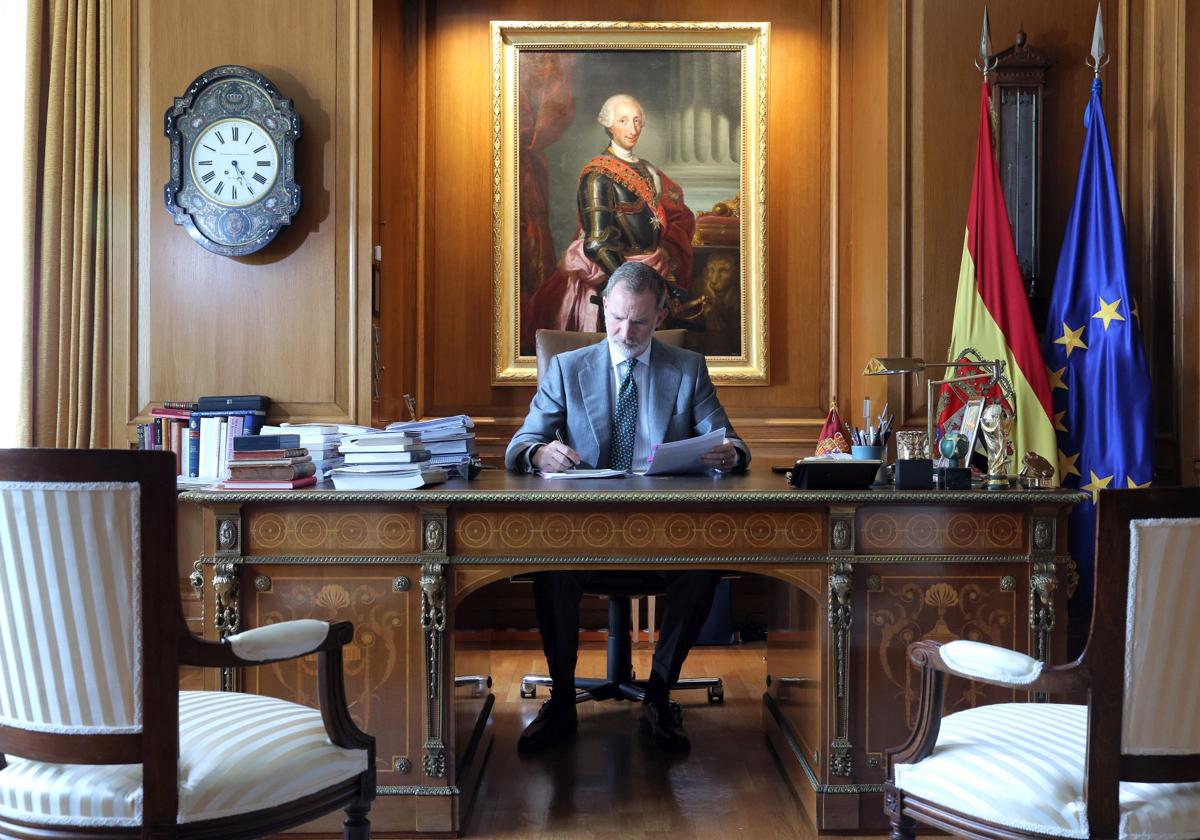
(528, 456)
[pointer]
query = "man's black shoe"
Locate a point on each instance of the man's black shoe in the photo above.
(555, 721)
(664, 723)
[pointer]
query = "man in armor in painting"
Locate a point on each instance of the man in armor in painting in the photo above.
(629, 211)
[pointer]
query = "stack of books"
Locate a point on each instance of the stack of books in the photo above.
(386, 461)
(450, 440)
(201, 433)
(320, 439)
(269, 462)
(215, 423)
(167, 431)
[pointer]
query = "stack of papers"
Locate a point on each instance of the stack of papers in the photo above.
(386, 461)
(578, 474)
(681, 457)
(386, 477)
(459, 423)
(450, 440)
(320, 439)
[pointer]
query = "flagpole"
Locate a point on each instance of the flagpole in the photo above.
(1099, 55)
(984, 61)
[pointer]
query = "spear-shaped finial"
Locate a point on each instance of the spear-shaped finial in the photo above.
(1099, 55)
(985, 62)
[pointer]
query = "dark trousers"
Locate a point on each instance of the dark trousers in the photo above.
(556, 596)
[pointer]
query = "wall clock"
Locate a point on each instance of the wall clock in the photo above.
(233, 160)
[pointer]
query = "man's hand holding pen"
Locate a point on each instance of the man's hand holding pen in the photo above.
(555, 456)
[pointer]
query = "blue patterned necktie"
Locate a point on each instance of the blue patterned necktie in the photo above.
(625, 421)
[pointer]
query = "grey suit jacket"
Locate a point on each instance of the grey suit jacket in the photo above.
(575, 396)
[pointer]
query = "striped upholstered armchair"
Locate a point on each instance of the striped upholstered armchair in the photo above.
(1126, 763)
(95, 737)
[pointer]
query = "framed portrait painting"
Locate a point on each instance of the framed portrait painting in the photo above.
(618, 142)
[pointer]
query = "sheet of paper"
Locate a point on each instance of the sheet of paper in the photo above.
(578, 474)
(683, 456)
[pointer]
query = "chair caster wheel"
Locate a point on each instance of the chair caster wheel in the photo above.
(528, 693)
(716, 694)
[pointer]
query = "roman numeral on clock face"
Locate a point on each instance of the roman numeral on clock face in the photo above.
(208, 176)
(248, 136)
(220, 186)
(233, 193)
(258, 176)
(264, 163)
(220, 137)
(260, 148)
(204, 163)
(234, 131)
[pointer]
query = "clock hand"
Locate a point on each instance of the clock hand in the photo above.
(241, 175)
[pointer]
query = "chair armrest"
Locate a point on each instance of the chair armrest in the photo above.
(980, 661)
(284, 640)
(997, 666)
(268, 644)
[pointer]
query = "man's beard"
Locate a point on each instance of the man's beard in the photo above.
(628, 349)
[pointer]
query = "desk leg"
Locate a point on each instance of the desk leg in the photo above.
(433, 625)
(841, 619)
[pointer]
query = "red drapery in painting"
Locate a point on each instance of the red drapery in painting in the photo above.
(547, 107)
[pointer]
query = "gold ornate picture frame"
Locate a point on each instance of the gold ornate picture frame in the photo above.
(700, 188)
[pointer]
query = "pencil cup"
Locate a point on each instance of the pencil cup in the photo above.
(866, 453)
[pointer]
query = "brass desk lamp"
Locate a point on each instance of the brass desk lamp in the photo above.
(888, 366)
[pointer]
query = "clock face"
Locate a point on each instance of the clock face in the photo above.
(234, 162)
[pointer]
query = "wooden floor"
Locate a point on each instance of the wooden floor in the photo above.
(607, 783)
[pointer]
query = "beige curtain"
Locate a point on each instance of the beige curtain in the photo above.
(65, 380)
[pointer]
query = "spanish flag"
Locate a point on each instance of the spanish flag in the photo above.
(991, 313)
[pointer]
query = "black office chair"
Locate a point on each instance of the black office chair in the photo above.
(621, 683)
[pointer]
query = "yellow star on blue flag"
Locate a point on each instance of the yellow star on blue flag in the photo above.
(1096, 484)
(1108, 312)
(1071, 339)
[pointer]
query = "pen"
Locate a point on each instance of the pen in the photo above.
(558, 434)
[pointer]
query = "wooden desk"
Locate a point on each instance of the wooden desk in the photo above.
(858, 574)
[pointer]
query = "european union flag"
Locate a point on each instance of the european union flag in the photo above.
(1099, 380)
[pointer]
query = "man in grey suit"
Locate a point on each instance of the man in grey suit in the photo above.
(608, 405)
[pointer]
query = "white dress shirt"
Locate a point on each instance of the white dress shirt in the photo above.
(641, 378)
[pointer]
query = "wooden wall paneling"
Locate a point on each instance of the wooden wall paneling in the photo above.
(400, 124)
(899, 188)
(454, 282)
(355, 31)
(1188, 332)
(1156, 215)
(379, 9)
(866, 169)
(937, 147)
(290, 321)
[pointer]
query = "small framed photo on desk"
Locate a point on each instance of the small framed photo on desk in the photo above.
(970, 423)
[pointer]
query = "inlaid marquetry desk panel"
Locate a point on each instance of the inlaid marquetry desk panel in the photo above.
(856, 577)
